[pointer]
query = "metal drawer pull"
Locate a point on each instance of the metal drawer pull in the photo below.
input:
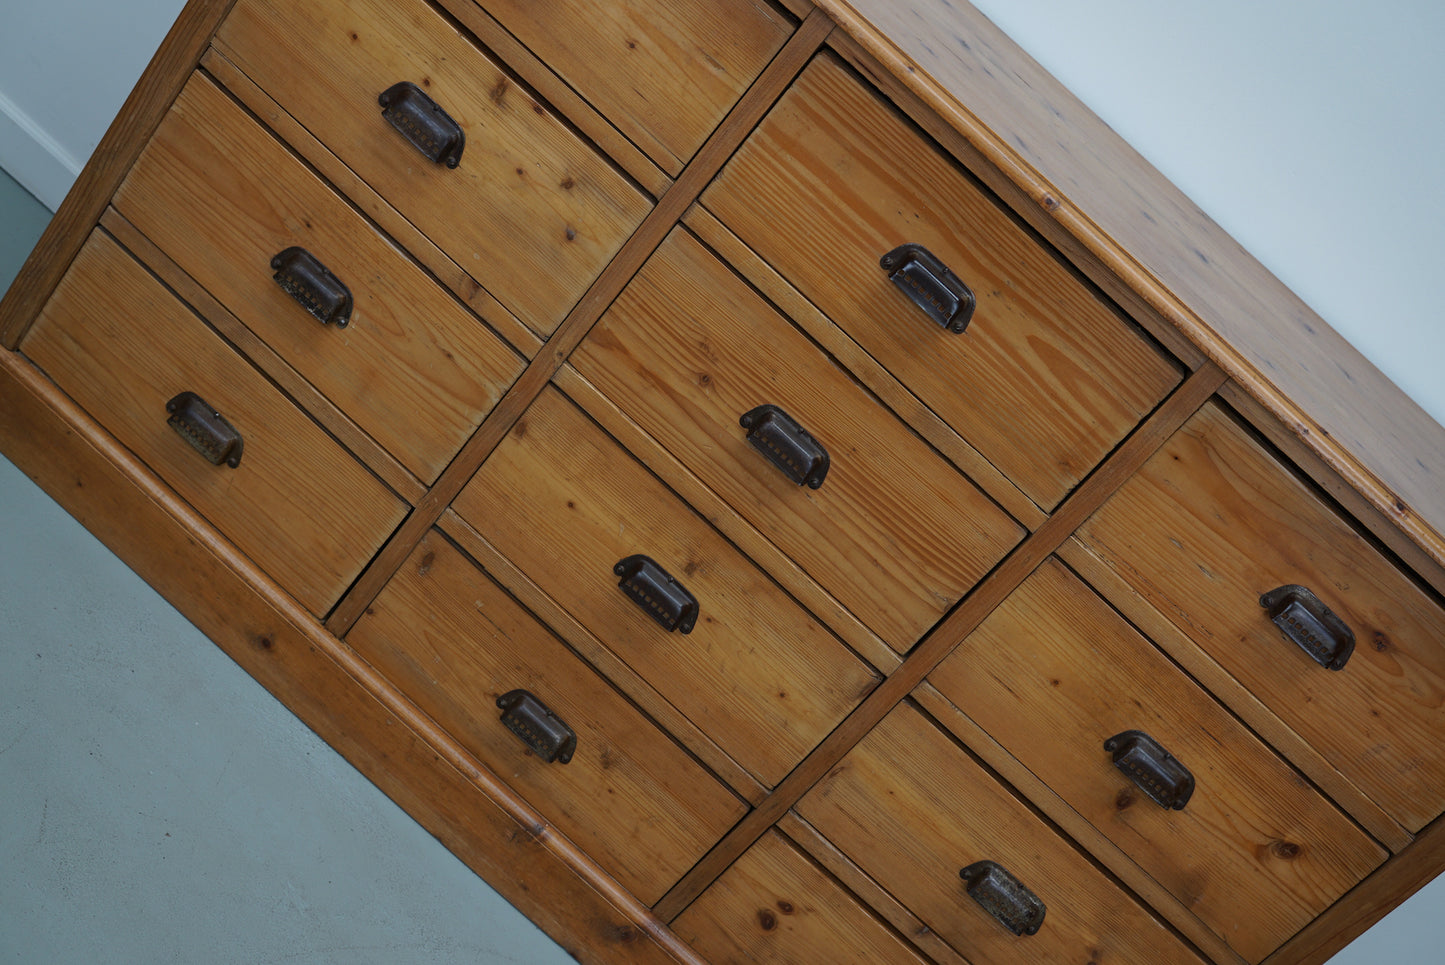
(539, 728)
(933, 288)
(202, 426)
(313, 286)
(1002, 896)
(650, 586)
(1314, 627)
(787, 445)
(1154, 770)
(429, 128)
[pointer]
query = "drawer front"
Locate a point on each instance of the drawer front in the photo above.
(1046, 379)
(296, 503)
(413, 368)
(775, 905)
(1213, 522)
(455, 642)
(664, 72)
(894, 533)
(531, 212)
(758, 674)
(913, 810)
(1054, 673)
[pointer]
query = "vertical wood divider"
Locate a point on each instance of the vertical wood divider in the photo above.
(944, 638)
(665, 215)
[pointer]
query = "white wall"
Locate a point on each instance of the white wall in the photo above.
(65, 68)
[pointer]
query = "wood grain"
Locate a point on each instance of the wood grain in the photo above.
(1054, 672)
(1046, 380)
(758, 673)
(123, 140)
(1375, 897)
(862, 366)
(221, 197)
(228, 326)
(774, 905)
(185, 559)
(1137, 610)
(298, 504)
(912, 809)
(453, 642)
(1211, 523)
(532, 213)
(552, 88)
(586, 645)
(965, 618)
(669, 208)
(894, 532)
(665, 72)
(726, 520)
(365, 199)
(837, 864)
(1145, 229)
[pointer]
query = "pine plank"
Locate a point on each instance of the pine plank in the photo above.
(532, 213)
(894, 532)
(453, 642)
(221, 197)
(912, 809)
(665, 72)
(298, 504)
(758, 673)
(1046, 380)
(1210, 524)
(1256, 853)
(774, 905)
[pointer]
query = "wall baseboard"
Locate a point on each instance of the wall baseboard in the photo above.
(33, 158)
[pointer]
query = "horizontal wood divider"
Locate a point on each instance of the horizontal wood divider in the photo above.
(117, 151)
(665, 215)
(944, 638)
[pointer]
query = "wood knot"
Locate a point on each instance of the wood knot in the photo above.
(1125, 799)
(767, 919)
(1285, 850)
(786, 907)
(263, 642)
(1382, 642)
(424, 567)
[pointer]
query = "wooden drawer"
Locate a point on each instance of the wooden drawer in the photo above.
(913, 810)
(1256, 852)
(454, 642)
(894, 532)
(413, 368)
(531, 212)
(665, 72)
(1046, 379)
(758, 674)
(775, 905)
(296, 503)
(1211, 523)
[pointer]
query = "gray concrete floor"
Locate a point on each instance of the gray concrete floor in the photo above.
(159, 806)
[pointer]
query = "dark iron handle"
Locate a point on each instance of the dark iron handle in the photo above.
(651, 588)
(1004, 897)
(787, 445)
(1153, 770)
(314, 287)
(202, 426)
(1303, 618)
(540, 729)
(430, 129)
(933, 288)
